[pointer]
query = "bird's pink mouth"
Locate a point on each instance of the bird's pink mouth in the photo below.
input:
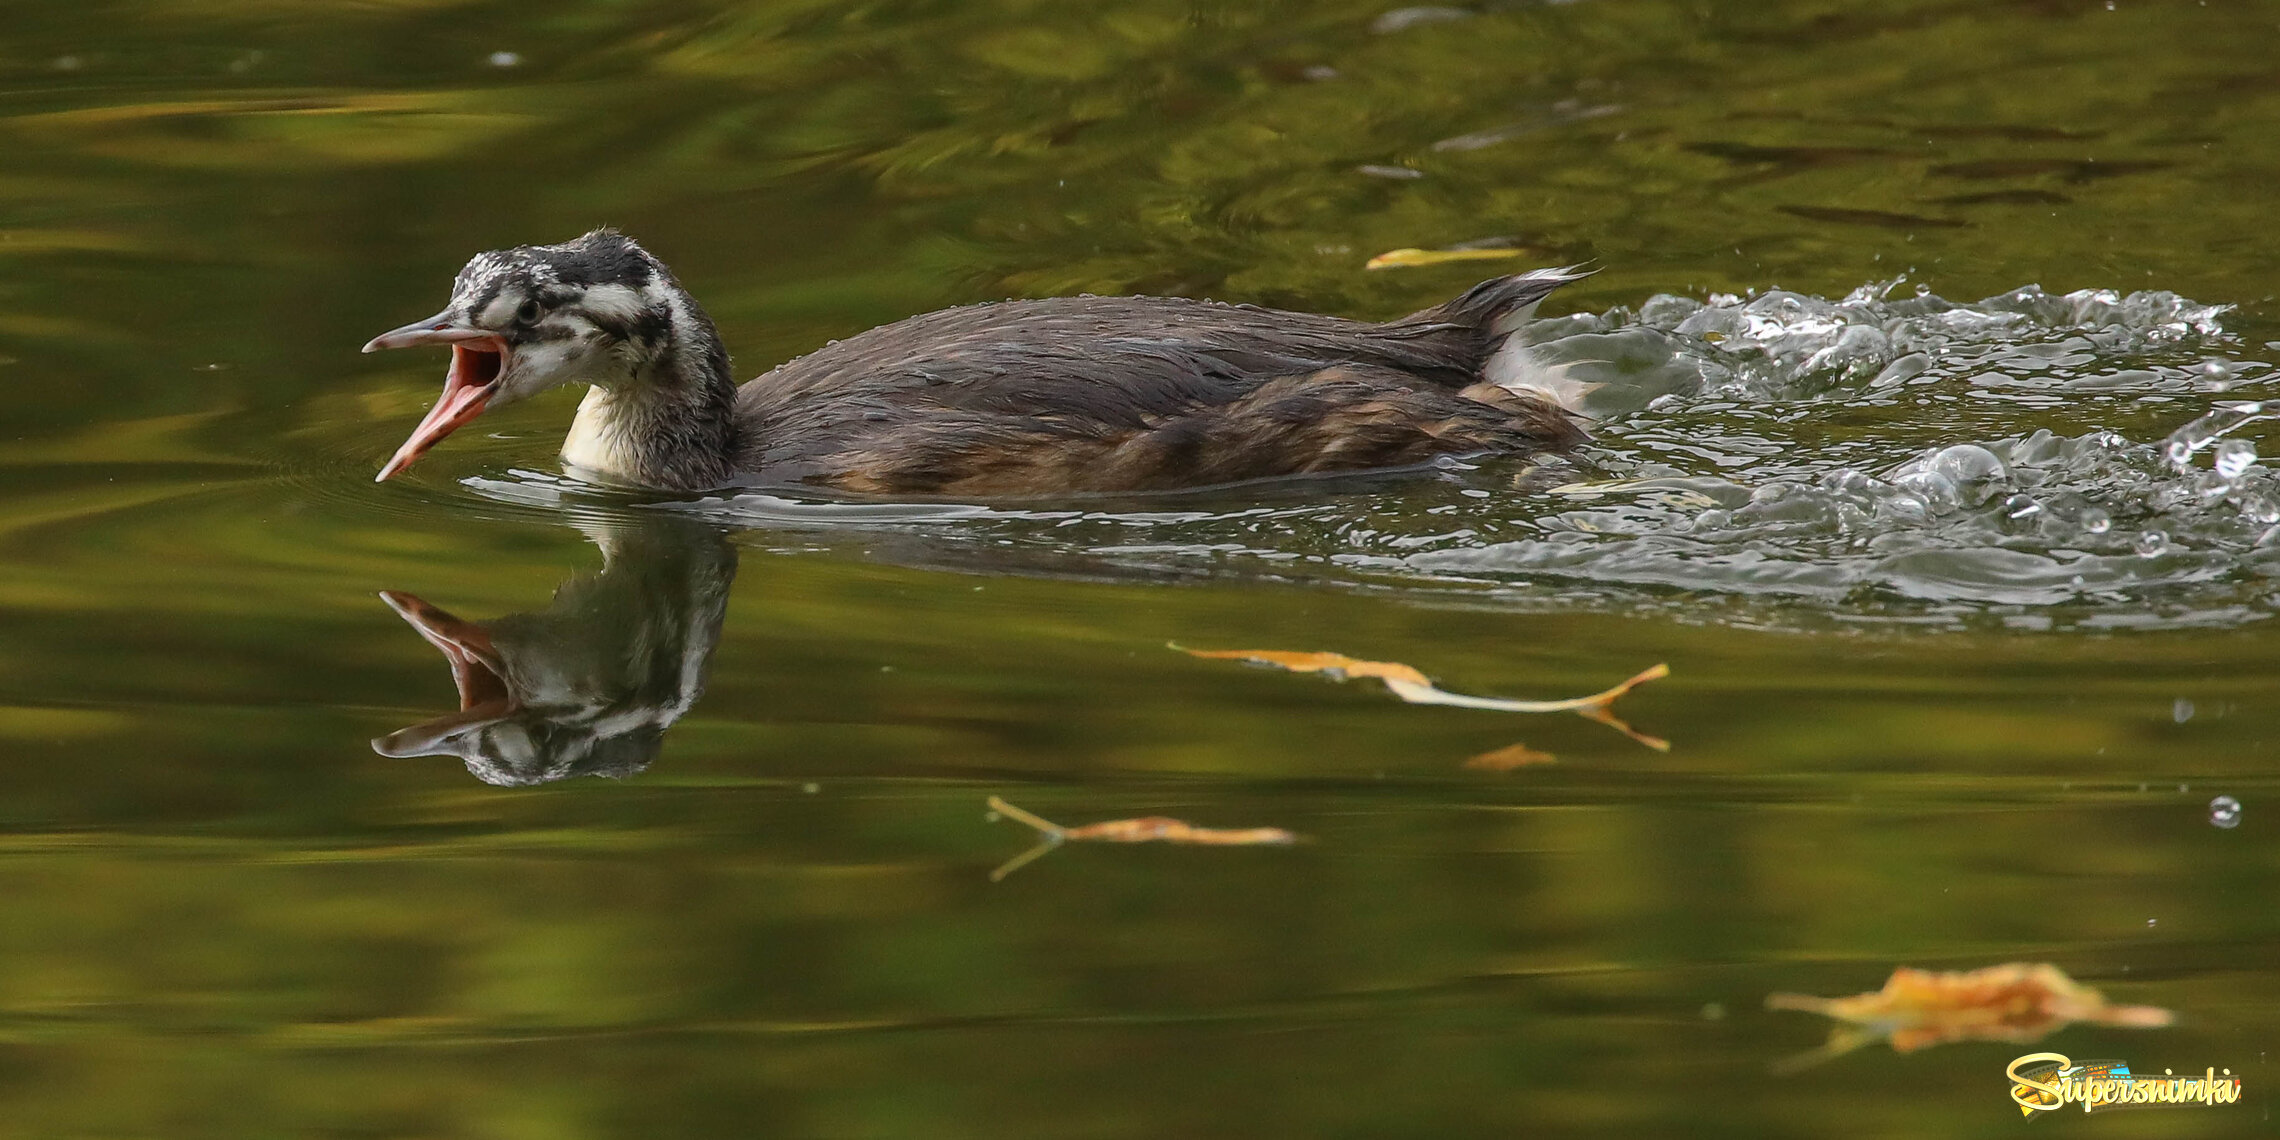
(477, 362)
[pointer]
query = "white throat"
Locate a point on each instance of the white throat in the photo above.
(601, 439)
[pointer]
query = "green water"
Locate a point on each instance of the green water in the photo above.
(1912, 743)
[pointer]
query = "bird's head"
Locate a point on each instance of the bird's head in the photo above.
(598, 310)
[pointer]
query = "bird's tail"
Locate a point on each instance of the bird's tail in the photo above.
(1501, 307)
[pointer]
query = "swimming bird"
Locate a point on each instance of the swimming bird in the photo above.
(1010, 398)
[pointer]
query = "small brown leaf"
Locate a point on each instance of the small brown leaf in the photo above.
(1509, 757)
(1416, 688)
(1336, 664)
(2016, 1002)
(1147, 829)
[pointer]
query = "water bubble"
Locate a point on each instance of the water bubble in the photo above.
(2181, 710)
(2225, 417)
(2096, 521)
(2261, 507)
(1713, 520)
(2224, 812)
(2235, 457)
(1936, 491)
(2021, 507)
(2152, 543)
(1902, 507)
(1973, 469)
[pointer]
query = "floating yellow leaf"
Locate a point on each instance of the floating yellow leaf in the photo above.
(2015, 1002)
(1509, 757)
(1147, 829)
(1417, 689)
(1412, 258)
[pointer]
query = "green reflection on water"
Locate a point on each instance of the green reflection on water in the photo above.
(230, 918)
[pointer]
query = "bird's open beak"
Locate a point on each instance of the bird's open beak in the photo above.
(478, 359)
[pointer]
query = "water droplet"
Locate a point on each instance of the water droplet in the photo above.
(2150, 921)
(2181, 710)
(2261, 507)
(811, 789)
(2180, 453)
(2152, 543)
(2021, 506)
(2224, 812)
(505, 59)
(2235, 457)
(2096, 521)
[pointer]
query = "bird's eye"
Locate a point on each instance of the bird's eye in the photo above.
(529, 312)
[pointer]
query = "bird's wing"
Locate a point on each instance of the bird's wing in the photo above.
(1084, 366)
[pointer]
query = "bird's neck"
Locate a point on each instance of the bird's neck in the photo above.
(671, 423)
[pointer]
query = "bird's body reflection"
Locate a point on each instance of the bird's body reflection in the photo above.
(588, 685)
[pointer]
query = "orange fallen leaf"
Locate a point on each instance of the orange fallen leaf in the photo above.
(1418, 689)
(1509, 757)
(1337, 665)
(1412, 258)
(2015, 1002)
(1147, 829)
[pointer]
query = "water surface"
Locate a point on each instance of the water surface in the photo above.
(1929, 336)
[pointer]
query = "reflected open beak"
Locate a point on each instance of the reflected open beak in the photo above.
(478, 359)
(484, 696)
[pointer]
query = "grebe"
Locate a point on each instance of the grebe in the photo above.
(1011, 398)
